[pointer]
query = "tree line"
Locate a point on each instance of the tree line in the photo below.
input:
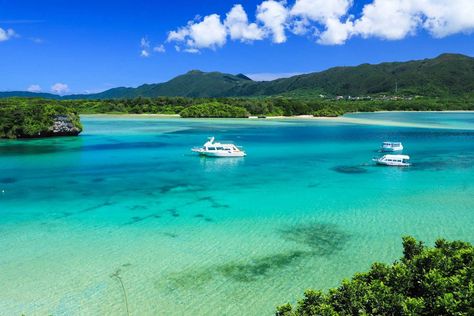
(268, 106)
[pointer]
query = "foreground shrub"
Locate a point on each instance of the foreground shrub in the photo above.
(425, 281)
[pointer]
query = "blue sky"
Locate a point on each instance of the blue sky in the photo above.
(86, 46)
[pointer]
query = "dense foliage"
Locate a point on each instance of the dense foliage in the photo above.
(426, 281)
(214, 109)
(23, 118)
(267, 106)
(242, 107)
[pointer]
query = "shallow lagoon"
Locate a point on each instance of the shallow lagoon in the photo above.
(127, 202)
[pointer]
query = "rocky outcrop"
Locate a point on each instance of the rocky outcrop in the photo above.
(64, 125)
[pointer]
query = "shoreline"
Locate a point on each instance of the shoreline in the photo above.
(300, 117)
(338, 119)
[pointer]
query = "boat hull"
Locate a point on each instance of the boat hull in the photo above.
(222, 154)
(392, 164)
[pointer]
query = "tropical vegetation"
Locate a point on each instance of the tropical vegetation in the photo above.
(427, 281)
(243, 107)
(26, 118)
(215, 110)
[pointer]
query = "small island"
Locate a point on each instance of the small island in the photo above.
(37, 118)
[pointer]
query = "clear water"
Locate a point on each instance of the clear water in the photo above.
(127, 202)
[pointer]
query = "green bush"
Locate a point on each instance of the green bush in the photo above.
(329, 111)
(215, 110)
(425, 281)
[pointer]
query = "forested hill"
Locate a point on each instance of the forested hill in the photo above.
(448, 75)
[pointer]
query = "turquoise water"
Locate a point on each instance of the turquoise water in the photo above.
(127, 203)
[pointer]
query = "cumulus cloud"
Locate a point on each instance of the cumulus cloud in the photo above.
(320, 10)
(239, 28)
(60, 88)
(274, 16)
(159, 49)
(7, 34)
(208, 33)
(396, 19)
(329, 22)
(324, 17)
(448, 17)
(34, 88)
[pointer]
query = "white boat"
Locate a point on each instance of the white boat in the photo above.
(214, 149)
(391, 146)
(393, 160)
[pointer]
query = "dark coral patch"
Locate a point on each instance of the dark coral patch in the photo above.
(260, 267)
(8, 180)
(322, 239)
(350, 169)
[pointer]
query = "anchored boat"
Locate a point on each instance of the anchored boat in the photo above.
(215, 149)
(391, 146)
(393, 160)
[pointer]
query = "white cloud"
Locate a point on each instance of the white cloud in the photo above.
(326, 15)
(238, 26)
(274, 16)
(159, 49)
(34, 88)
(7, 34)
(60, 88)
(447, 17)
(321, 10)
(336, 32)
(208, 33)
(396, 19)
(179, 35)
(145, 47)
(330, 22)
(392, 20)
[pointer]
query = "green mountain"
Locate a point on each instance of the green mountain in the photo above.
(445, 75)
(26, 94)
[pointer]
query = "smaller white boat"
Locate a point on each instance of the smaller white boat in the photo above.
(393, 160)
(391, 146)
(215, 149)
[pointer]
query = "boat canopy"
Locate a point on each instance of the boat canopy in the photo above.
(404, 157)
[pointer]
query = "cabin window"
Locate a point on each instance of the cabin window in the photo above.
(211, 148)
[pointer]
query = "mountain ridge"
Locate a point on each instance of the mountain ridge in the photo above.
(446, 75)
